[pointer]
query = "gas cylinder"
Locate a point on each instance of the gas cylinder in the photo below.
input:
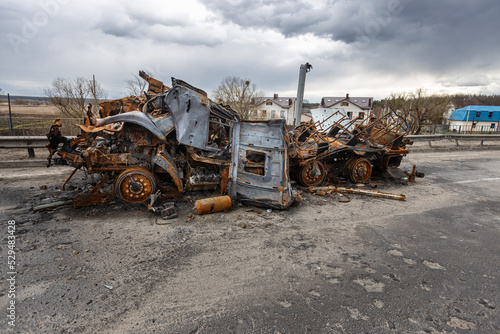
(213, 204)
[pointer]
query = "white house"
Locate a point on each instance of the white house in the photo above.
(354, 107)
(266, 108)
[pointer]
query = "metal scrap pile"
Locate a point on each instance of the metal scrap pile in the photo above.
(338, 147)
(171, 140)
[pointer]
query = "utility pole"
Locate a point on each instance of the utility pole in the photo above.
(304, 68)
(11, 129)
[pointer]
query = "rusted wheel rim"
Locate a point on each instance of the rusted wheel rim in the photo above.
(360, 170)
(135, 185)
(312, 174)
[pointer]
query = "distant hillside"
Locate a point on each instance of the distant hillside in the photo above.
(27, 98)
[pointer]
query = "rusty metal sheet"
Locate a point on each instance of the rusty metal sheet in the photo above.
(192, 114)
(260, 144)
(118, 106)
(165, 161)
(135, 117)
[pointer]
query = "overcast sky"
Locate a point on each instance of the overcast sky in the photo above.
(364, 48)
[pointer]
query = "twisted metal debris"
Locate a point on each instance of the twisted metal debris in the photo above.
(175, 139)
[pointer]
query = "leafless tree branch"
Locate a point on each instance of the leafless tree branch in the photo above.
(238, 93)
(70, 96)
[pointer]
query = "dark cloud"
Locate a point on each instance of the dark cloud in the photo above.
(375, 46)
(291, 17)
(431, 33)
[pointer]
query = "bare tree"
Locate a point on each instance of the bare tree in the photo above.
(238, 93)
(418, 108)
(70, 96)
(137, 85)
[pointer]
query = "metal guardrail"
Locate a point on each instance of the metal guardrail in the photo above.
(456, 137)
(452, 136)
(23, 141)
(29, 142)
(32, 142)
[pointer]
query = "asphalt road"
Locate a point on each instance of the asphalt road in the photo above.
(426, 265)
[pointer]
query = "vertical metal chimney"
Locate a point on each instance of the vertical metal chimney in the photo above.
(304, 68)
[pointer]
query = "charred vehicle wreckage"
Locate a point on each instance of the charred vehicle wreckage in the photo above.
(172, 140)
(337, 146)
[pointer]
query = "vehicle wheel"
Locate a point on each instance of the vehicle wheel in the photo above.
(358, 170)
(312, 174)
(135, 185)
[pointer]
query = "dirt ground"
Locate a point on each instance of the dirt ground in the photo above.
(29, 110)
(371, 265)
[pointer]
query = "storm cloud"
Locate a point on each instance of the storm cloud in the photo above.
(358, 47)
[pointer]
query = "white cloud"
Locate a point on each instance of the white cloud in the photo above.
(355, 47)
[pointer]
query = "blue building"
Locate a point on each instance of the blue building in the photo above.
(476, 118)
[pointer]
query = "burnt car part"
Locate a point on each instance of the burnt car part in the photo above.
(173, 141)
(336, 144)
(259, 172)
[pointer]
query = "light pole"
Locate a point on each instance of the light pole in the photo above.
(304, 68)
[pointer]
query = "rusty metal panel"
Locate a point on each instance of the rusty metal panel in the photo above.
(259, 169)
(190, 116)
(135, 117)
(196, 117)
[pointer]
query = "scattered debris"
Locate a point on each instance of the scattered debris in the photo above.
(170, 140)
(323, 191)
(169, 212)
(411, 177)
(211, 205)
(51, 205)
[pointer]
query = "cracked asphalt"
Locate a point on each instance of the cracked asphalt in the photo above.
(429, 264)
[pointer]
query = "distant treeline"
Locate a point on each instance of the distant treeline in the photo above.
(20, 99)
(463, 100)
(458, 100)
